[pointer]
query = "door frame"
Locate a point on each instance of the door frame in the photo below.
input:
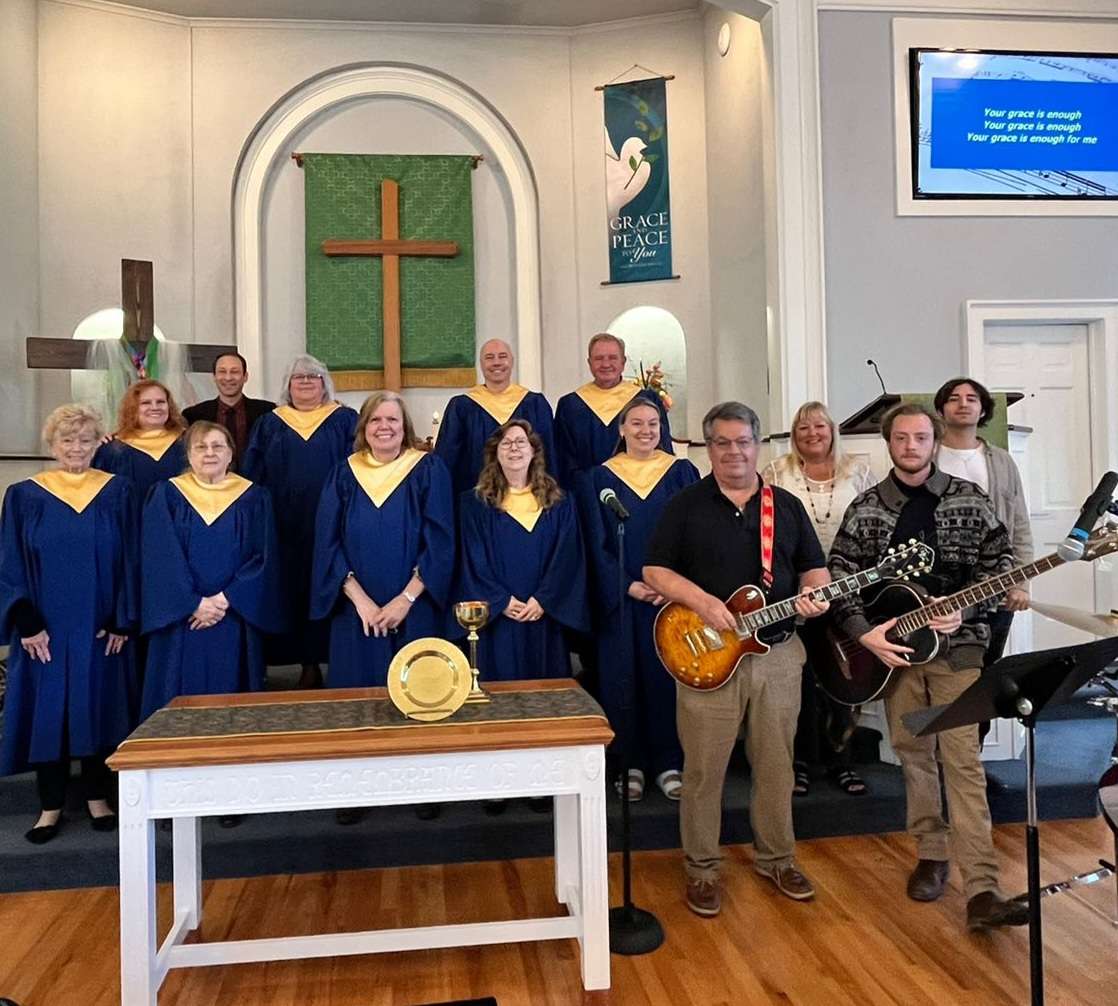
(1101, 320)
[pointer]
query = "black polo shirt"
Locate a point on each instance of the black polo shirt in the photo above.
(701, 535)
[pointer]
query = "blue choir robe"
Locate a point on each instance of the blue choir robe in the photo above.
(292, 454)
(631, 673)
(520, 551)
(586, 427)
(146, 458)
(381, 522)
(471, 419)
(199, 540)
(67, 549)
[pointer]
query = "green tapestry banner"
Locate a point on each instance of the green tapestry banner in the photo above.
(345, 293)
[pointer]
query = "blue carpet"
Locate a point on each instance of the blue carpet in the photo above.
(1071, 755)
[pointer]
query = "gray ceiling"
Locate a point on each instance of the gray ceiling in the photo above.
(558, 13)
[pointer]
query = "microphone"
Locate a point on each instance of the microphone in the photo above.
(870, 363)
(608, 498)
(1072, 547)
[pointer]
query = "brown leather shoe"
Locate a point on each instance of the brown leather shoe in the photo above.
(927, 881)
(789, 881)
(990, 909)
(704, 897)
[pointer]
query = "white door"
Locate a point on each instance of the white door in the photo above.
(1049, 365)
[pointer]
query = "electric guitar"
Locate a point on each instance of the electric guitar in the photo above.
(704, 659)
(851, 675)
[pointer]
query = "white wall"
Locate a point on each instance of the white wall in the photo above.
(669, 47)
(896, 285)
(736, 211)
(19, 221)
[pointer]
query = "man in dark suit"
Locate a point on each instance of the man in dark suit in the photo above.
(231, 408)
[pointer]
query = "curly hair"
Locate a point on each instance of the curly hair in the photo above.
(128, 415)
(69, 418)
(491, 483)
(374, 402)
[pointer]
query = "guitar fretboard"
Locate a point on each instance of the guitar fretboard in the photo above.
(748, 624)
(975, 594)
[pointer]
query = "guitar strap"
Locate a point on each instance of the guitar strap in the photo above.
(768, 523)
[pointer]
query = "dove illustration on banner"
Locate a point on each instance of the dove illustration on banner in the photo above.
(627, 173)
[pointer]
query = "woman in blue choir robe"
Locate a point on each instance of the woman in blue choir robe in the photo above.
(147, 443)
(292, 452)
(644, 479)
(470, 419)
(384, 546)
(210, 557)
(67, 605)
(522, 553)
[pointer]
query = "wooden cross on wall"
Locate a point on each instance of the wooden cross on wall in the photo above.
(137, 298)
(390, 246)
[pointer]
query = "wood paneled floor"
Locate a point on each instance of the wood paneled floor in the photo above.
(860, 942)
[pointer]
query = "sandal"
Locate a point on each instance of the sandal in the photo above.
(801, 784)
(636, 785)
(671, 783)
(850, 782)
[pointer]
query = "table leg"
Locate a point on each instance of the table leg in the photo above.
(594, 888)
(566, 845)
(187, 870)
(137, 895)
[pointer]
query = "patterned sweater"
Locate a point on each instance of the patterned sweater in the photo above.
(971, 545)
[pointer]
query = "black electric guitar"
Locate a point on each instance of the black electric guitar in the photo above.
(851, 675)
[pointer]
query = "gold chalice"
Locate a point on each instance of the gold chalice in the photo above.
(473, 615)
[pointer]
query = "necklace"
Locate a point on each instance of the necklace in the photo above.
(811, 496)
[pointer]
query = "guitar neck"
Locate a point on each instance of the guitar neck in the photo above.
(976, 594)
(771, 614)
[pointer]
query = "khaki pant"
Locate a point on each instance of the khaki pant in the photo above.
(765, 693)
(968, 835)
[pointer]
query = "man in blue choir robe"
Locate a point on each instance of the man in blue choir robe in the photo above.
(586, 431)
(209, 540)
(470, 419)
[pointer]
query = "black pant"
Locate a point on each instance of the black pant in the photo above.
(53, 776)
(1000, 622)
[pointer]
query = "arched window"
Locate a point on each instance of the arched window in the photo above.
(653, 335)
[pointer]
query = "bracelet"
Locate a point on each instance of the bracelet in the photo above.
(408, 597)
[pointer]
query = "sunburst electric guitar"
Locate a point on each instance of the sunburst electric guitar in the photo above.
(704, 659)
(852, 675)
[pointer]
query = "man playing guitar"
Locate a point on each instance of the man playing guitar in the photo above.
(916, 500)
(707, 544)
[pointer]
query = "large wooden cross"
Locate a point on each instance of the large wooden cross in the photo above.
(137, 298)
(390, 246)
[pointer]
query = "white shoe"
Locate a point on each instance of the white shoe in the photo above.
(671, 783)
(636, 785)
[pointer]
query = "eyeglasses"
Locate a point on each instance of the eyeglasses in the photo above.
(508, 445)
(202, 448)
(306, 377)
(722, 444)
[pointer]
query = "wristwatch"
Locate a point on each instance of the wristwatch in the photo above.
(408, 597)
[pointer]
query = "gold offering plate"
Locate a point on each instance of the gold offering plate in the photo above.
(429, 679)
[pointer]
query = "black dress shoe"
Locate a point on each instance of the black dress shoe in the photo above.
(349, 815)
(106, 822)
(428, 811)
(990, 909)
(927, 881)
(42, 834)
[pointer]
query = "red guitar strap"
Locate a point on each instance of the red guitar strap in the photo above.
(768, 522)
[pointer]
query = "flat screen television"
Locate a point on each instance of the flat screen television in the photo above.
(993, 124)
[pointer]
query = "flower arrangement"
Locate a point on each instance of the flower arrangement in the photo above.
(653, 379)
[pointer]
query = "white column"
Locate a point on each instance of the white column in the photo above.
(187, 870)
(593, 874)
(566, 845)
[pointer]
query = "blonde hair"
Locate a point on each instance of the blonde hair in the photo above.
(70, 417)
(374, 402)
(491, 482)
(839, 458)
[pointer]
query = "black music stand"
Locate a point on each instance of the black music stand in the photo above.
(1019, 687)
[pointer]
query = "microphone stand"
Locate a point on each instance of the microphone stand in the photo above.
(632, 930)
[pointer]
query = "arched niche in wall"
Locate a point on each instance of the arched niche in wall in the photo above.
(653, 335)
(275, 138)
